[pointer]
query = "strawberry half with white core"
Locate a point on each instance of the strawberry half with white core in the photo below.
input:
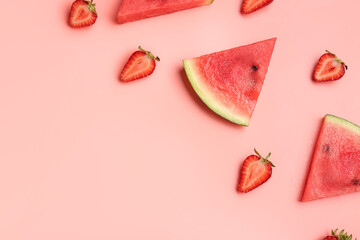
(340, 236)
(140, 64)
(82, 14)
(329, 68)
(255, 171)
(249, 6)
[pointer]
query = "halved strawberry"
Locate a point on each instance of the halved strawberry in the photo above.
(340, 236)
(82, 13)
(329, 68)
(255, 171)
(140, 64)
(249, 6)
(330, 238)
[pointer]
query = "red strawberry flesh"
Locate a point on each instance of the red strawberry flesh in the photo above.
(249, 6)
(330, 238)
(140, 64)
(83, 13)
(329, 68)
(255, 171)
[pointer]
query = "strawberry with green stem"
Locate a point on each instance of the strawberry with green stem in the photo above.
(255, 171)
(329, 68)
(82, 13)
(140, 64)
(341, 236)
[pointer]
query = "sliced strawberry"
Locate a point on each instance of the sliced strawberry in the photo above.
(255, 171)
(329, 68)
(330, 238)
(341, 236)
(249, 6)
(83, 13)
(140, 64)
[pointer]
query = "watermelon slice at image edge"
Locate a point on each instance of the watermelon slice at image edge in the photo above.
(229, 82)
(133, 10)
(335, 167)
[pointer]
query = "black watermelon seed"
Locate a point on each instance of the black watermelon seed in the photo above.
(254, 68)
(355, 181)
(326, 148)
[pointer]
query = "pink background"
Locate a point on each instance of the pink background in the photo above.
(86, 157)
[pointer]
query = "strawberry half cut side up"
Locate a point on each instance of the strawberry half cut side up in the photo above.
(140, 64)
(249, 6)
(82, 14)
(255, 171)
(341, 236)
(329, 68)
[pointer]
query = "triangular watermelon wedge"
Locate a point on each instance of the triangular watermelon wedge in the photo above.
(229, 82)
(335, 167)
(133, 10)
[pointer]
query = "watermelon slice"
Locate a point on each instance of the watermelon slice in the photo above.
(132, 10)
(335, 167)
(229, 82)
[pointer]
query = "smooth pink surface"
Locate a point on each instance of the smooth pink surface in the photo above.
(84, 157)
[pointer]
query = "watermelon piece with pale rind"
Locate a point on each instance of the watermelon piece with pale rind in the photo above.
(335, 166)
(133, 10)
(229, 82)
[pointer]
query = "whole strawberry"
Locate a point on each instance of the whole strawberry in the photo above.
(82, 13)
(255, 171)
(329, 68)
(340, 236)
(140, 64)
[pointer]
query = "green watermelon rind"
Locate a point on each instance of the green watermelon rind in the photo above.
(207, 97)
(343, 123)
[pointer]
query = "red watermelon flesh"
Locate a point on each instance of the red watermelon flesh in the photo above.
(133, 10)
(229, 82)
(335, 167)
